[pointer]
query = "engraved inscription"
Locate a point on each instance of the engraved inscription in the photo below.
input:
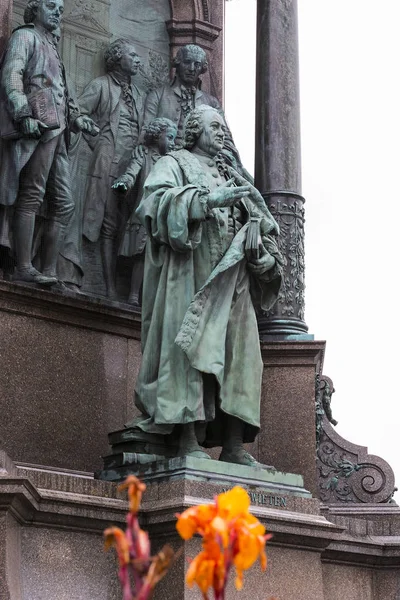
(261, 499)
(267, 500)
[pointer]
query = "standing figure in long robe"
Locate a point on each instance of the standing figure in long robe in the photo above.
(211, 254)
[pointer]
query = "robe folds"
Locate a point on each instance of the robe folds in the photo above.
(200, 346)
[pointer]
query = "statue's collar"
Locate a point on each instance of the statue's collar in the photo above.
(48, 35)
(120, 79)
(176, 86)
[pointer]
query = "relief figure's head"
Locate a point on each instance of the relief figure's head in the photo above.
(160, 133)
(190, 62)
(45, 13)
(204, 130)
(121, 57)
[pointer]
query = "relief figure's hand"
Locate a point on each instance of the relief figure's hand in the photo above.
(139, 152)
(32, 128)
(86, 124)
(123, 184)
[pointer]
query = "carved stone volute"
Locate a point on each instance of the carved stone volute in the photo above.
(346, 472)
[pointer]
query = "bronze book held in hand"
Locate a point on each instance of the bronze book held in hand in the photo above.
(253, 239)
(44, 109)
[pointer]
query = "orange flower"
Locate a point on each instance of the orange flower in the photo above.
(133, 549)
(135, 492)
(114, 536)
(231, 537)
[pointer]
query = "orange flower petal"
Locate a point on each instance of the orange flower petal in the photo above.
(187, 523)
(195, 520)
(142, 545)
(239, 580)
(159, 566)
(205, 575)
(193, 567)
(233, 503)
(263, 560)
(219, 527)
(114, 536)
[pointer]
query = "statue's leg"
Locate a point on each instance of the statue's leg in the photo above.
(232, 449)
(188, 444)
(108, 243)
(108, 250)
(32, 187)
(137, 279)
(60, 207)
(52, 242)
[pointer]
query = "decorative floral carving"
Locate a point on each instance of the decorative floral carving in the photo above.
(82, 13)
(289, 213)
(84, 9)
(335, 468)
(157, 72)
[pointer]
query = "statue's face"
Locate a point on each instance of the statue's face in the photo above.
(166, 141)
(190, 67)
(130, 61)
(211, 140)
(49, 14)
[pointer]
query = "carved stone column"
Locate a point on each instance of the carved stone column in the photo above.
(5, 22)
(278, 159)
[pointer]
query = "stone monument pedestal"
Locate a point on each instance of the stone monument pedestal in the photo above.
(68, 367)
(51, 524)
(52, 521)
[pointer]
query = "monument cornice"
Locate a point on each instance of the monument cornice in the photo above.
(197, 30)
(71, 309)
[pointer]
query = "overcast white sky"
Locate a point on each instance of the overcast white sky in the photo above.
(350, 111)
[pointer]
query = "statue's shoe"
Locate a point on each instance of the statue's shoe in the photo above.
(198, 454)
(72, 287)
(240, 456)
(134, 301)
(194, 453)
(32, 275)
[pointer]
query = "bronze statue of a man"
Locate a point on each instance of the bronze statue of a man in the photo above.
(116, 104)
(211, 255)
(174, 101)
(37, 112)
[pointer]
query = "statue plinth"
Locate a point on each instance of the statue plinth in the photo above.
(257, 479)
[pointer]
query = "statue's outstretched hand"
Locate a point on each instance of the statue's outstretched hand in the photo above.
(226, 195)
(123, 183)
(32, 128)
